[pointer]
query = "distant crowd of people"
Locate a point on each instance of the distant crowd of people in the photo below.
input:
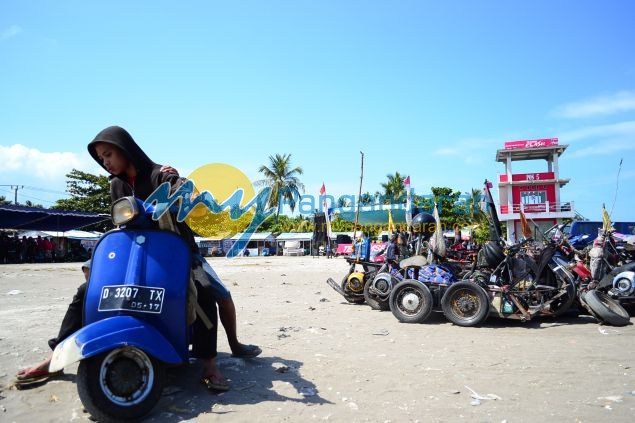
(16, 249)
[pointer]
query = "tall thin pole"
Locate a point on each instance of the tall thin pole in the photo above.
(359, 198)
(15, 188)
(15, 199)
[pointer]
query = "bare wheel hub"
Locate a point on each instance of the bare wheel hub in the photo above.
(410, 301)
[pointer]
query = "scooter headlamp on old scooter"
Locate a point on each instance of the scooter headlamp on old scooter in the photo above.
(124, 210)
(132, 212)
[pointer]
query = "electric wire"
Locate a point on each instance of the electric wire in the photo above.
(617, 183)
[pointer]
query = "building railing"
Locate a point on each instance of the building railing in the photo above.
(546, 207)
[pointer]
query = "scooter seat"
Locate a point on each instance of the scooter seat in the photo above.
(414, 261)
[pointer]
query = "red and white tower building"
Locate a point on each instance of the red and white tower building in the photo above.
(537, 194)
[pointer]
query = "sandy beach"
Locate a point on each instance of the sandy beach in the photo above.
(326, 360)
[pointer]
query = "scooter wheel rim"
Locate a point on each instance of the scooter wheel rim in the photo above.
(110, 374)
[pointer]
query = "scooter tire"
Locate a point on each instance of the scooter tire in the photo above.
(350, 296)
(374, 301)
(606, 309)
(121, 385)
(465, 304)
(411, 301)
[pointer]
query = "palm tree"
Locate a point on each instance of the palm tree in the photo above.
(343, 202)
(282, 179)
(474, 210)
(367, 199)
(394, 189)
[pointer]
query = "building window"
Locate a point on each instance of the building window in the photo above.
(533, 197)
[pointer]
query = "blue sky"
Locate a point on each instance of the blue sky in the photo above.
(429, 89)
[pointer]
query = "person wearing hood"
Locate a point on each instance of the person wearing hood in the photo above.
(71, 323)
(132, 172)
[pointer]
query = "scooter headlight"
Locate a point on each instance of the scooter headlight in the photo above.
(124, 210)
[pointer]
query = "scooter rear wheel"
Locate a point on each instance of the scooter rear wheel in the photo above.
(465, 304)
(121, 385)
(411, 301)
(606, 309)
(351, 296)
(382, 284)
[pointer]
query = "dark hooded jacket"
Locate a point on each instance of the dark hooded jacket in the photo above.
(149, 176)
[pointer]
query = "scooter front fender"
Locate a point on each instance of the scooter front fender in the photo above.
(108, 334)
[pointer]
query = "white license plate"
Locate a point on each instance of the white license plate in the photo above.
(144, 299)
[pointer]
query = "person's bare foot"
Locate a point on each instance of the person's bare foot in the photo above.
(40, 369)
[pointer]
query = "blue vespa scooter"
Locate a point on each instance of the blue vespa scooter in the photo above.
(135, 316)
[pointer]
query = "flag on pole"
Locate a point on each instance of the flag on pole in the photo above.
(606, 220)
(391, 223)
(406, 182)
(437, 242)
(325, 208)
(525, 225)
(495, 231)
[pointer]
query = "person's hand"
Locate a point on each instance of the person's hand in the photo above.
(169, 169)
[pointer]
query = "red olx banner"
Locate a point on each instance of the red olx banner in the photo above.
(543, 142)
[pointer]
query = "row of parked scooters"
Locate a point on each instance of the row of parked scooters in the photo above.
(531, 278)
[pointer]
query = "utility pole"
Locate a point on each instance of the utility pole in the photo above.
(15, 198)
(14, 188)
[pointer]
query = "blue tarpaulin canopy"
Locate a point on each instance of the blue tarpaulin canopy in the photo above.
(31, 218)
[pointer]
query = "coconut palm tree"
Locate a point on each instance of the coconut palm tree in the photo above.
(282, 179)
(367, 198)
(343, 202)
(394, 189)
(475, 198)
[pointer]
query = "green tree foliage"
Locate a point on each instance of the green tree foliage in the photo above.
(283, 180)
(29, 203)
(286, 224)
(367, 198)
(394, 191)
(343, 202)
(474, 210)
(481, 233)
(340, 225)
(88, 193)
(455, 208)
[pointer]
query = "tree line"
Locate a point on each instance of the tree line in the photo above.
(91, 193)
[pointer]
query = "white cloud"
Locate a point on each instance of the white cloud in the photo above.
(601, 140)
(604, 147)
(18, 159)
(469, 151)
(621, 130)
(10, 32)
(599, 106)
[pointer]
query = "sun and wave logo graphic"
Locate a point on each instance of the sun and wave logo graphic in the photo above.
(217, 201)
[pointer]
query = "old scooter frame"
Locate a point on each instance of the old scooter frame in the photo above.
(135, 318)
